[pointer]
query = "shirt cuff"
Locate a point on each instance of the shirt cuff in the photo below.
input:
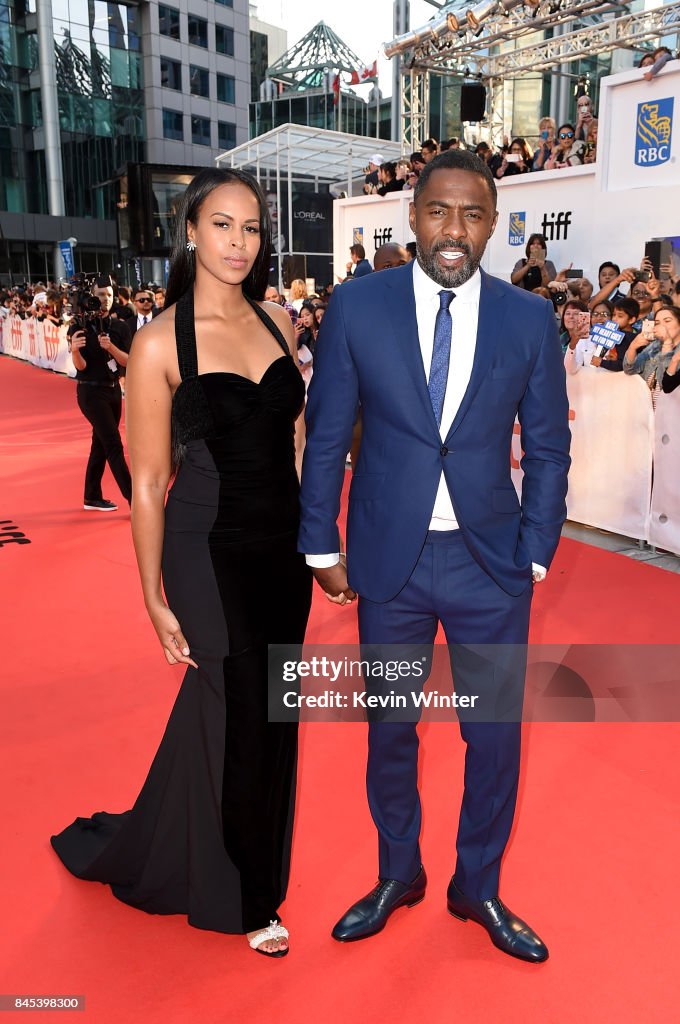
(322, 561)
(539, 571)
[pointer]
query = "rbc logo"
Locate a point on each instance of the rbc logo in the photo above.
(654, 131)
(517, 228)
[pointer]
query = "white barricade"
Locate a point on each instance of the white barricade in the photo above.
(38, 342)
(664, 518)
(612, 445)
(625, 470)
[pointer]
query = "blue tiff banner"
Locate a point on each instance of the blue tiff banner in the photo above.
(66, 250)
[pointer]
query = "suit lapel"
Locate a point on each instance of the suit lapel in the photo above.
(401, 312)
(489, 334)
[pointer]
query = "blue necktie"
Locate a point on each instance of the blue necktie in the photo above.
(441, 352)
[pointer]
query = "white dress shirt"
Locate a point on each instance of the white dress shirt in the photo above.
(143, 319)
(464, 317)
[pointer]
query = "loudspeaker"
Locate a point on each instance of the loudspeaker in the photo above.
(472, 101)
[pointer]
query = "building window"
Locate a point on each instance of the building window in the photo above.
(226, 3)
(226, 88)
(226, 134)
(200, 131)
(199, 80)
(224, 40)
(168, 21)
(172, 125)
(171, 73)
(198, 31)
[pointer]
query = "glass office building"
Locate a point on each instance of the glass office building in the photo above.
(318, 108)
(134, 83)
(98, 79)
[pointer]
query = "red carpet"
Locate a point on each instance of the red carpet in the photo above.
(85, 695)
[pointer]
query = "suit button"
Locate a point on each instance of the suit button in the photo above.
(443, 450)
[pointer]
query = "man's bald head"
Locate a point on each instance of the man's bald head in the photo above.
(390, 255)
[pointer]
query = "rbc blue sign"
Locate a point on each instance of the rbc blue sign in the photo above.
(518, 223)
(653, 133)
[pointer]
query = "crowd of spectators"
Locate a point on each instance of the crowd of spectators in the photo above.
(641, 303)
(58, 303)
(552, 148)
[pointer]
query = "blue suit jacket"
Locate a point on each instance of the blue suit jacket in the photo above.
(368, 352)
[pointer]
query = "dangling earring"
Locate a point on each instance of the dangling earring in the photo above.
(191, 246)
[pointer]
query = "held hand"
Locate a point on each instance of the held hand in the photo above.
(562, 276)
(174, 645)
(626, 275)
(105, 342)
(78, 340)
(333, 581)
(654, 286)
(596, 361)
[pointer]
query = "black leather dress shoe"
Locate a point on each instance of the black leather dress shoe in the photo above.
(370, 914)
(508, 933)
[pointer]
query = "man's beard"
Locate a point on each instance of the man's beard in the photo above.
(458, 274)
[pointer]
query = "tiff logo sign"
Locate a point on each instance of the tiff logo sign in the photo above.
(11, 534)
(553, 225)
(381, 237)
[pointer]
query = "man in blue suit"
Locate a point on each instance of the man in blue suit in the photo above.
(442, 358)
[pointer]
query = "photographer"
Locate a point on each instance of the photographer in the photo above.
(99, 347)
(535, 271)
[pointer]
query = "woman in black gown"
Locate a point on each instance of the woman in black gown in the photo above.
(214, 380)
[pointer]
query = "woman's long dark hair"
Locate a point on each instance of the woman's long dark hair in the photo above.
(183, 263)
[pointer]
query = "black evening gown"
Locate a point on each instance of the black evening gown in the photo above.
(210, 833)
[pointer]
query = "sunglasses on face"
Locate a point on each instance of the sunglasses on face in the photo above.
(566, 135)
(144, 300)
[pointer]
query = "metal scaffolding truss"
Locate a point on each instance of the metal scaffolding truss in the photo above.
(473, 41)
(415, 106)
(611, 30)
(319, 52)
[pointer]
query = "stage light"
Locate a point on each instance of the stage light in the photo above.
(476, 15)
(434, 30)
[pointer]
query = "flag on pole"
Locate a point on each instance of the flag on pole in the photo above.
(364, 74)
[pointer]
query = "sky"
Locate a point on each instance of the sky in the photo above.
(363, 24)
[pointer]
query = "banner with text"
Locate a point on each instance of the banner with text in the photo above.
(38, 342)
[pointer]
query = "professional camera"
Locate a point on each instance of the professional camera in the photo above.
(85, 308)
